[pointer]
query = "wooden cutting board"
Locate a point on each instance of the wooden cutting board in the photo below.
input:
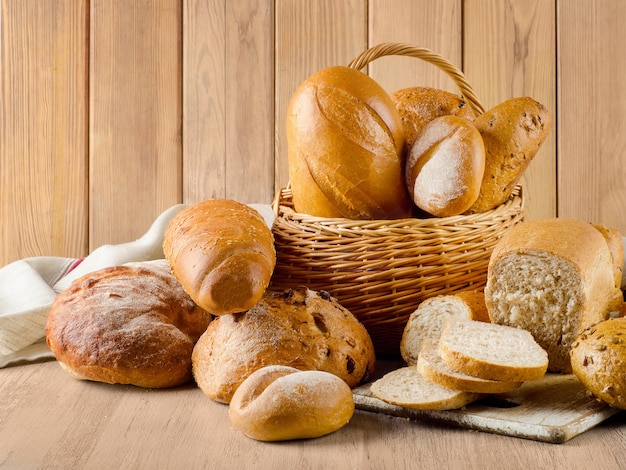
(553, 409)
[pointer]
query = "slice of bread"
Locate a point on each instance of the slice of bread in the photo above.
(426, 322)
(434, 368)
(492, 351)
(406, 387)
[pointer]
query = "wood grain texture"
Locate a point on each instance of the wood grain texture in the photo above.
(509, 52)
(43, 134)
(592, 112)
(93, 425)
(135, 123)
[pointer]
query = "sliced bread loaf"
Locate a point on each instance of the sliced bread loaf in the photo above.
(492, 351)
(434, 368)
(406, 387)
(425, 323)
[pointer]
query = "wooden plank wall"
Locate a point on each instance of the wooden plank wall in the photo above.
(113, 110)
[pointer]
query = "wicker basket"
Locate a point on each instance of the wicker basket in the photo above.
(381, 270)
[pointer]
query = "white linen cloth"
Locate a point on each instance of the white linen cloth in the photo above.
(29, 286)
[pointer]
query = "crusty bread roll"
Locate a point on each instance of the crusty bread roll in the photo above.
(432, 367)
(130, 324)
(346, 148)
(223, 254)
(278, 403)
(553, 277)
(512, 132)
(406, 387)
(418, 106)
(492, 351)
(598, 359)
(300, 328)
(445, 166)
(426, 322)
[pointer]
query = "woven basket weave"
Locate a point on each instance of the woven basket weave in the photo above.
(381, 270)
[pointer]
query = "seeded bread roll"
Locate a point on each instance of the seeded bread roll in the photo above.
(346, 148)
(491, 351)
(445, 166)
(278, 403)
(299, 328)
(130, 324)
(599, 360)
(425, 323)
(418, 106)
(223, 254)
(406, 387)
(512, 132)
(553, 277)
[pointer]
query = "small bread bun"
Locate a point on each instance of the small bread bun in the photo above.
(130, 324)
(223, 254)
(426, 322)
(299, 328)
(445, 166)
(346, 148)
(598, 359)
(418, 106)
(278, 403)
(512, 132)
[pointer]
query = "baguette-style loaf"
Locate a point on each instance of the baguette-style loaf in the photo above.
(278, 403)
(346, 148)
(553, 277)
(223, 254)
(445, 166)
(512, 132)
(130, 324)
(599, 360)
(418, 106)
(426, 322)
(299, 328)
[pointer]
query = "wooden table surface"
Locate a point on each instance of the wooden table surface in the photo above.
(50, 420)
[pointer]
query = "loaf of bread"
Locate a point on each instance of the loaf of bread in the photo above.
(598, 359)
(407, 387)
(418, 106)
(130, 324)
(445, 166)
(346, 148)
(512, 132)
(553, 277)
(426, 322)
(223, 254)
(278, 403)
(492, 351)
(431, 366)
(300, 328)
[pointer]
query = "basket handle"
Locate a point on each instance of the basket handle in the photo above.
(426, 55)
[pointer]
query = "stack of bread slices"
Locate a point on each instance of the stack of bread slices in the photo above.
(460, 359)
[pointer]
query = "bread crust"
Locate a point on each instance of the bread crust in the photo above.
(418, 106)
(299, 328)
(346, 148)
(512, 132)
(223, 254)
(445, 166)
(130, 324)
(277, 403)
(598, 358)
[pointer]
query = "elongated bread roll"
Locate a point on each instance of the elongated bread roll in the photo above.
(278, 403)
(346, 148)
(223, 254)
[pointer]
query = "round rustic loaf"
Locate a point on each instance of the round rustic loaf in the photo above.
(301, 328)
(277, 403)
(130, 324)
(598, 359)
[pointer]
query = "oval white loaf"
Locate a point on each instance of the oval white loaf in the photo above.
(278, 403)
